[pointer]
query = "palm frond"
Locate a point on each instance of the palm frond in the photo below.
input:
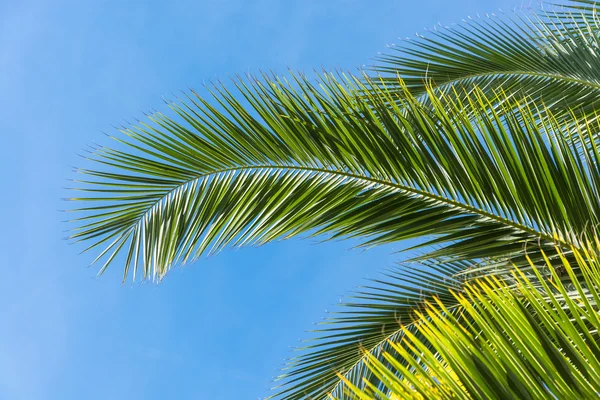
(322, 161)
(381, 314)
(548, 56)
(519, 342)
(377, 314)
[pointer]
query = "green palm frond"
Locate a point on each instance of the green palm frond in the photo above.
(519, 342)
(322, 161)
(550, 56)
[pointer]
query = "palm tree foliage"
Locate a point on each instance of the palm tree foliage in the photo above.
(481, 160)
(508, 342)
(375, 316)
(329, 162)
(553, 57)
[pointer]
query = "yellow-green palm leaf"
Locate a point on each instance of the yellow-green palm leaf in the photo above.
(536, 340)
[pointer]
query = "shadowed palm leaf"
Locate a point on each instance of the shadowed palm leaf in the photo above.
(553, 57)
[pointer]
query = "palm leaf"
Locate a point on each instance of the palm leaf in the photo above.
(382, 314)
(325, 161)
(550, 57)
(378, 314)
(481, 170)
(518, 342)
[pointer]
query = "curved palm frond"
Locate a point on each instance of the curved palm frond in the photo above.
(324, 161)
(475, 164)
(550, 57)
(519, 342)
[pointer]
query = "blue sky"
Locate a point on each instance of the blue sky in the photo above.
(225, 324)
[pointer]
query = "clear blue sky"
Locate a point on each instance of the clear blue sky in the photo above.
(68, 70)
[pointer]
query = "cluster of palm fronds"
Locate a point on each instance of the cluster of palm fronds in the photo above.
(482, 138)
(535, 338)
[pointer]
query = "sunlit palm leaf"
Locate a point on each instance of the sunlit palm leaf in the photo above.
(518, 342)
(382, 314)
